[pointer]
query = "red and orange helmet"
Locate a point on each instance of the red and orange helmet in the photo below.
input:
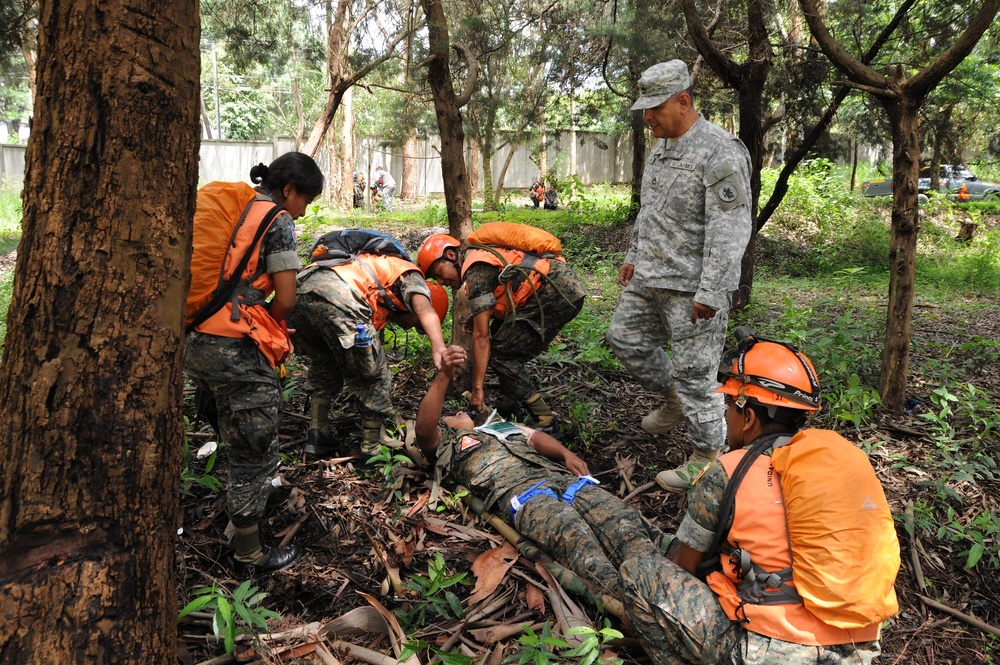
(439, 299)
(433, 249)
(771, 373)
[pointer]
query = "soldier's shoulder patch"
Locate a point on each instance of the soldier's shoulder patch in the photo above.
(465, 289)
(729, 192)
(467, 442)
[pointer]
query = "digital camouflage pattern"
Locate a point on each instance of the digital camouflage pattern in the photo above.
(678, 617)
(527, 332)
(687, 244)
(644, 322)
(248, 397)
(498, 471)
(327, 313)
(246, 390)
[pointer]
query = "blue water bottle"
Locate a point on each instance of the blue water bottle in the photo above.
(362, 338)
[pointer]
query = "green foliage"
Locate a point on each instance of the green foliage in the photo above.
(434, 595)
(10, 218)
(6, 292)
(234, 613)
(590, 651)
(537, 648)
(386, 461)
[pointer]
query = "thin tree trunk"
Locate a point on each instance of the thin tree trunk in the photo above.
(345, 199)
(902, 251)
(543, 157)
(408, 187)
(92, 373)
(638, 160)
(474, 154)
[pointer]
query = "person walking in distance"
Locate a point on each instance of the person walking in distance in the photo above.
(682, 264)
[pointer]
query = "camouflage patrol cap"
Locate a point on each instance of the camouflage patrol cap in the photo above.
(660, 82)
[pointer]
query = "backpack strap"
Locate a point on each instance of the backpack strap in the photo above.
(227, 288)
(386, 298)
(728, 506)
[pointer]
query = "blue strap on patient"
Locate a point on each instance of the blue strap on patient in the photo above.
(528, 494)
(581, 482)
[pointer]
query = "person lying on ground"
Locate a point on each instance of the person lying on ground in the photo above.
(533, 482)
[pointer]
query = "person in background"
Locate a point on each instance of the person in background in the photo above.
(537, 192)
(235, 345)
(682, 265)
(386, 187)
(359, 189)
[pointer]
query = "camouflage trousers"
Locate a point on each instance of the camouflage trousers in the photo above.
(318, 324)
(678, 619)
(645, 320)
(248, 397)
(526, 334)
(587, 534)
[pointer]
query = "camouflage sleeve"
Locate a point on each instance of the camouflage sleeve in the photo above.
(701, 519)
(480, 280)
(279, 247)
(408, 284)
(727, 223)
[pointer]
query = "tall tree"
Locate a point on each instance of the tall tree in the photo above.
(447, 107)
(91, 422)
(902, 94)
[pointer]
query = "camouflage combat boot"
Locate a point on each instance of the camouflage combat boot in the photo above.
(667, 417)
(541, 416)
(371, 437)
(681, 478)
(319, 442)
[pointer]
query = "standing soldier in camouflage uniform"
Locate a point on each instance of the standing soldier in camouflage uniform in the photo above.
(333, 302)
(682, 264)
(506, 338)
(535, 484)
(233, 354)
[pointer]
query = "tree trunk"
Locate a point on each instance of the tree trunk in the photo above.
(638, 161)
(543, 156)
(345, 197)
(408, 185)
(473, 167)
(449, 117)
(903, 116)
(92, 373)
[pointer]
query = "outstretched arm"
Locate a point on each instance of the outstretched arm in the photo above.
(429, 413)
(549, 446)
(431, 324)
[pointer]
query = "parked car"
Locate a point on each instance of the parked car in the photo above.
(950, 181)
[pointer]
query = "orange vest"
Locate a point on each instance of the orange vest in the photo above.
(251, 318)
(760, 528)
(527, 280)
(386, 270)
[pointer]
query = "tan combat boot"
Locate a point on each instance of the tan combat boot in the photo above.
(371, 437)
(542, 418)
(667, 417)
(681, 478)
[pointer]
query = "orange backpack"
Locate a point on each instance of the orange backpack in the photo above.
(222, 207)
(516, 236)
(845, 555)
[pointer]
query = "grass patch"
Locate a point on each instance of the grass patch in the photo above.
(10, 219)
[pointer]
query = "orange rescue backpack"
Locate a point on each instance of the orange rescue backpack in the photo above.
(222, 207)
(516, 236)
(845, 555)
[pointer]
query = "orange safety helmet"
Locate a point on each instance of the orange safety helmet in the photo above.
(439, 299)
(433, 249)
(769, 373)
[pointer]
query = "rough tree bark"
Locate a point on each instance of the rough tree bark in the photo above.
(457, 196)
(902, 98)
(91, 377)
